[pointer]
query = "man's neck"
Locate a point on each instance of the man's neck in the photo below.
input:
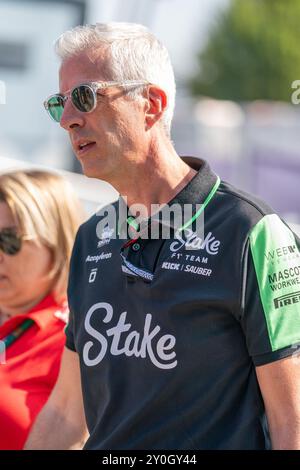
(156, 181)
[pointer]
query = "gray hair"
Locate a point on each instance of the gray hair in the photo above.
(135, 54)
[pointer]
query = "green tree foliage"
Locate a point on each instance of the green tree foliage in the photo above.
(253, 52)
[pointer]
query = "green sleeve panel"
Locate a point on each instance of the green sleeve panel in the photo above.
(276, 258)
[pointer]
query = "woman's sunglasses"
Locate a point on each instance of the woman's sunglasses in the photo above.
(11, 241)
(83, 97)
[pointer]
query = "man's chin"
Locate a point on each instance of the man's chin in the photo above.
(91, 172)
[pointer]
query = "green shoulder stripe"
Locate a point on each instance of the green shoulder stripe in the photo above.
(276, 258)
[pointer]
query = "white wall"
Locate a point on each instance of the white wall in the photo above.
(93, 193)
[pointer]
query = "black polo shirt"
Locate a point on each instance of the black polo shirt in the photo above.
(169, 337)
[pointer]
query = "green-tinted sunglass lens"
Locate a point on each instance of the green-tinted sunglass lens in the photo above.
(10, 242)
(83, 98)
(56, 107)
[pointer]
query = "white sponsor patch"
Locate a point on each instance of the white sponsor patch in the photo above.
(121, 339)
(172, 266)
(93, 275)
(197, 270)
(97, 258)
(106, 236)
(192, 241)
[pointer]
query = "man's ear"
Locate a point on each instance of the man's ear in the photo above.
(156, 105)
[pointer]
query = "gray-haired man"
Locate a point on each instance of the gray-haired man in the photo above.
(186, 341)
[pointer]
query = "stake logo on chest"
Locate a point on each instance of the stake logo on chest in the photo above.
(126, 341)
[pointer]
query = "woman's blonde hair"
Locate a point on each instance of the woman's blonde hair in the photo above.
(45, 208)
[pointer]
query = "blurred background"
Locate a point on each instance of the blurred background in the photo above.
(235, 62)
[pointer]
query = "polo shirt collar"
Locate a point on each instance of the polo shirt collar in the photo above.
(42, 314)
(196, 191)
(198, 188)
(44, 311)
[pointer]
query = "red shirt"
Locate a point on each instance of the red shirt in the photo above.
(29, 369)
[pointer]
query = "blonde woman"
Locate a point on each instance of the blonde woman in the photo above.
(39, 216)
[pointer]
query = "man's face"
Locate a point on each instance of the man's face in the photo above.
(115, 128)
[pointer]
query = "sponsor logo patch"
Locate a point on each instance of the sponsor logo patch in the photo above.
(106, 236)
(288, 299)
(93, 275)
(120, 339)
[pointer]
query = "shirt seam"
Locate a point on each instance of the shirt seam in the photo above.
(243, 198)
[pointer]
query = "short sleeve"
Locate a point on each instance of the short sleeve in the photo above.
(69, 332)
(72, 295)
(271, 291)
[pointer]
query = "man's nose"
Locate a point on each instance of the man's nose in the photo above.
(71, 117)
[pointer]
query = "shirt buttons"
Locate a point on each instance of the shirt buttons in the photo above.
(136, 246)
